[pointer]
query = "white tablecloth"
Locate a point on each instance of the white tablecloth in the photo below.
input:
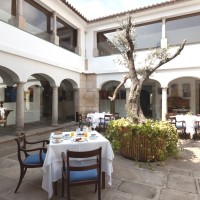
(189, 121)
(95, 117)
(53, 162)
(2, 112)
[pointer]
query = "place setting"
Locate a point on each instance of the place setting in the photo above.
(57, 137)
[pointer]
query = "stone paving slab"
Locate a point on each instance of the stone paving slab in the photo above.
(138, 189)
(170, 194)
(173, 179)
(182, 183)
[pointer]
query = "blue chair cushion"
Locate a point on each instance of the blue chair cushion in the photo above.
(83, 175)
(179, 126)
(34, 158)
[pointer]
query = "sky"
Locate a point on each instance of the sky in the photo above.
(92, 9)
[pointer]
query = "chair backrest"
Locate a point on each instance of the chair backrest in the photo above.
(108, 117)
(26, 148)
(21, 147)
(116, 115)
(197, 124)
(85, 155)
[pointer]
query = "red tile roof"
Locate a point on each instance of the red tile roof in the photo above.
(157, 5)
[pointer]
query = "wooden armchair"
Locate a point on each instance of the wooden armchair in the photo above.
(29, 157)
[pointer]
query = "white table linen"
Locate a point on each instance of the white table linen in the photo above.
(189, 122)
(95, 117)
(53, 161)
(2, 112)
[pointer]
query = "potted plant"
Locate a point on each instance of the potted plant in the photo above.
(137, 137)
(147, 142)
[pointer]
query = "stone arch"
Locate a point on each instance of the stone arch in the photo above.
(105, 105)
(66, 96)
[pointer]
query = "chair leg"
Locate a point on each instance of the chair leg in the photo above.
(63, 186)
(99, 191)
(68, 192)
(22, 173)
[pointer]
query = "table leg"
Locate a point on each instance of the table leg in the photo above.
(103, 180)
(55, 191)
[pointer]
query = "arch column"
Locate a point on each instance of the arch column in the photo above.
(20, 107)
(164, 103)
(54, 106)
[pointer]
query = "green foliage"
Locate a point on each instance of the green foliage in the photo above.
(154, 131)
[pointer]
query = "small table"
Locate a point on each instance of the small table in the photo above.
(53, 161)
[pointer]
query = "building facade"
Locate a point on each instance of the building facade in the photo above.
(54, 63)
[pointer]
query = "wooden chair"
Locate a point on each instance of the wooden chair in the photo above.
(197, 129)
(181, 127)
(103, 122)
(29, 157)
(116, 115)
(82, 174)
(172, 120)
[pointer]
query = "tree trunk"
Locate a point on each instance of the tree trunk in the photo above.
(134, 111)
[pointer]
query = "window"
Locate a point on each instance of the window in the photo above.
(7, 9)
(67, 35)
(187, 27)
(10, 94)
(186, 90)
(147, 36)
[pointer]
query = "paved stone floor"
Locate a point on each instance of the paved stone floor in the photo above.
(169, 180)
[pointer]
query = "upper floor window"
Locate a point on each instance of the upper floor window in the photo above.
(147, 36)
(67, 35)
(7, 9)
(186, 27)
(37, 18)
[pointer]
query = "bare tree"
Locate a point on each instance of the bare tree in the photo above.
(124, 40)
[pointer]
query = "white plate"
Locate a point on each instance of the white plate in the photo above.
(57, 140)
(80, 139)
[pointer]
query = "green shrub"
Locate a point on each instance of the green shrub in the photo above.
(153, 131)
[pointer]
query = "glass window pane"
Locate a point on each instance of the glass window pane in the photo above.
(148, 36)
(183, 28)
(36, 20)
(67, 35)
(7, 9)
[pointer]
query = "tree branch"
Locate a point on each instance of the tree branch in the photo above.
(168, 59)
(118, 87)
